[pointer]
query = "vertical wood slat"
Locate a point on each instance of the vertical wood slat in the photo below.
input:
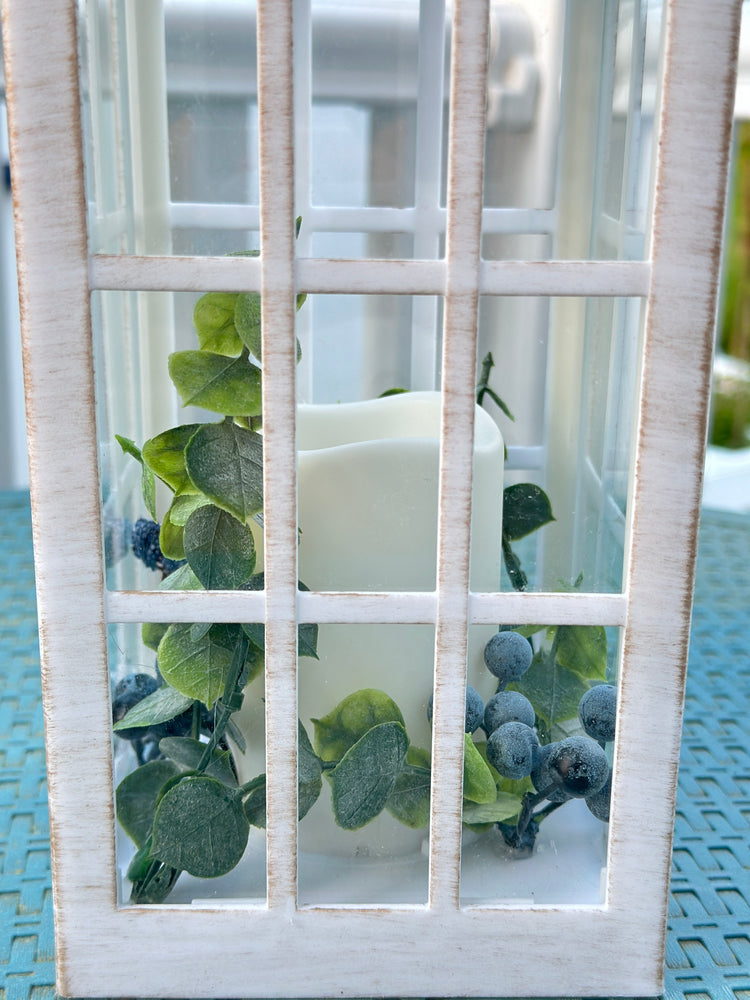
(276, 140)
(464, 224)
(39, 39)
(699, 77)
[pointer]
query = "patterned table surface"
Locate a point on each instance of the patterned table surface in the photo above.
(708, 946)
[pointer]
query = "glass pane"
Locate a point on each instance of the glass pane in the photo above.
(536, 795)
(362, 841)
(570, 128)
(566, 369)
(175, 757)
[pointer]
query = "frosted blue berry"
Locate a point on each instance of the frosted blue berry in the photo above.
(474, 709)
(597, 710)
(508, 706)
(513, 750)
(508, 656)
(128, 692)
(145, 545)
(581, 765)
(544, 779)
(598, 802)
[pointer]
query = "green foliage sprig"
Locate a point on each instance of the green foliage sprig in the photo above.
(184, 807)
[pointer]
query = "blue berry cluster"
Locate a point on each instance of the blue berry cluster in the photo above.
(145, 545)
(574, 767)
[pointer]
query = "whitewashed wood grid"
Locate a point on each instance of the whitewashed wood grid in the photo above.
(441, 948)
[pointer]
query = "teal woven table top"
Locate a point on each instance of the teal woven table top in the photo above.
(708, 946)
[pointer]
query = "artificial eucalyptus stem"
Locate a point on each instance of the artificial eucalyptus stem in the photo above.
(230, 701)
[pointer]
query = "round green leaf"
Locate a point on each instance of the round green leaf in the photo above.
(165, 455)
(213, 319)
(225, 461)
(219, 549)
(231, 386)
(364, 779)
(137, 794)
(197, 669)
(336, 732)
(526, 507)
(200, 827)
(583, 649)
(409, 802)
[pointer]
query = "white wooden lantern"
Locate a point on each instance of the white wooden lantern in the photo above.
(593, 246)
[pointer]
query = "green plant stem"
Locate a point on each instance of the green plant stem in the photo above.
(229, 702)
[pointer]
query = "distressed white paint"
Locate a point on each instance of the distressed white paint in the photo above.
(280, 949)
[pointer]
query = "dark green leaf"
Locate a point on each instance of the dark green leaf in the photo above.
(513, 568)
(526, 507)
(197, 669)
(213, 318)
(148, 483)
(255, 803)
(160, 706)
(225, 461)
(409, 802)
(583, 649)
(553, 690)
(183, 578)
(247, 321)
(200, 827)
(165, 455)
(231, 386)
(359, 712)
(219, 549)
(136, 797)
(309, 772)
(479, 784)
(188, 753)
(364, 779)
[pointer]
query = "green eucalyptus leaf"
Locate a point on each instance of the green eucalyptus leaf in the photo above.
(225, 461)
(187, 753)
(479, 784)
(309, 771)
(552, 689)
(183, 578)
(526, 507)
(152, 634)
(183, 505)
(213, 319)
(364, 779)
(255, 802)
(359, 712)
(165, 455)
(231, 386)
(247, 321)
(200, 827)
(309, 784)
(171, 538)
(409, 802)
(505, 806)
(219, 549)
(583, 649)
(160, 706)
(136, 797)
(148, 482)
(197, 669)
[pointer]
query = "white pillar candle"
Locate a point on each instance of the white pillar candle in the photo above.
(367, 513)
